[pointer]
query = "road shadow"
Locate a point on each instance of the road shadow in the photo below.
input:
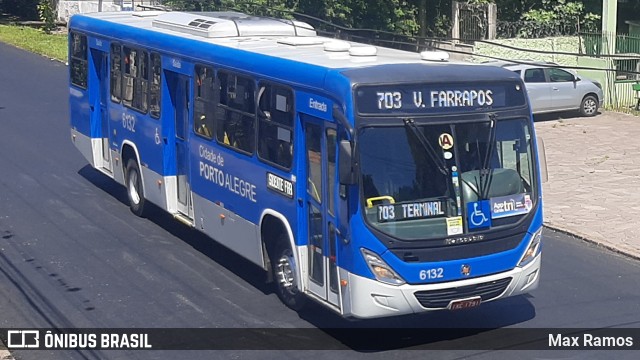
(233, 262)
(432, 330)
(564, 115)
(104, 183)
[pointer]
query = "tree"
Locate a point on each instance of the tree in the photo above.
(46, 12)
(431, 18)
(387, 15)
(557, 17)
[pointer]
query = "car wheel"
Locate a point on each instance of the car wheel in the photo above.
(589, 106)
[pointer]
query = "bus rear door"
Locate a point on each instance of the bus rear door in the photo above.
(99, 97)
(179, 86)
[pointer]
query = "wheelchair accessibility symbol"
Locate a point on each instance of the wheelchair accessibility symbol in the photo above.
(479, 214)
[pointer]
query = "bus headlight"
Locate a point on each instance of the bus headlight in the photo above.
(383, 272)
(533, 250)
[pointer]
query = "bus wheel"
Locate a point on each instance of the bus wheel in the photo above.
(134, 188)
(284, 271)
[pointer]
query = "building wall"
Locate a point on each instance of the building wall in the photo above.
(67, 8)
(568, 44)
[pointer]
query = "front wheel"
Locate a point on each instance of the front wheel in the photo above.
(284, 271)
(589, 106)
(135, 193)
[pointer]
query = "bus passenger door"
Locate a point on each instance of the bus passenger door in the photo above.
(99, 111)
(320, 150)
(179, 86)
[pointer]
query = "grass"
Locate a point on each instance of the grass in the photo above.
(53, 46)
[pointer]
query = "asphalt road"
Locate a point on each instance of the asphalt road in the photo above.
(73, 255)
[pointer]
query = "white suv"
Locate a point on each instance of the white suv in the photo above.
(552, 89)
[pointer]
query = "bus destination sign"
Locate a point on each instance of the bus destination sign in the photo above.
(428, 98)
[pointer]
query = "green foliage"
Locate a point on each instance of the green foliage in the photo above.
(442, 26)
(557, 17)
(536, 18)
(46, 13)
(52, 46)
(255, 7)
(387, 15)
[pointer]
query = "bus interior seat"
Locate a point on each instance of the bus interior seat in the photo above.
(285, 153)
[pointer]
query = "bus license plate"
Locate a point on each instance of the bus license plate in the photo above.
(464, 303)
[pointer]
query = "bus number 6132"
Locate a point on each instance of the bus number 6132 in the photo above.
(129, 122)
(431, 274)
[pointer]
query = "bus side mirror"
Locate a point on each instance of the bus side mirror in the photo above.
(542, 159)
(345, 163)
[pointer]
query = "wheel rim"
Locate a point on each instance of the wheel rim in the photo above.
(286, 273)
(590, 106)
(133, 189)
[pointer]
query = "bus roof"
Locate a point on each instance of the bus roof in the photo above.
(287, 43)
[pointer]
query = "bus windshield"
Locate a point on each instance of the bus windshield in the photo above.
(415, 178)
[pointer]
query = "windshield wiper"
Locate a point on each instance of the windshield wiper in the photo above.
(410, 123)
(486, 172)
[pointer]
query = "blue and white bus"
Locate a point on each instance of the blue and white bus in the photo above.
(375, 181)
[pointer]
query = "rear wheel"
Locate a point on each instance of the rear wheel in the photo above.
(135, 193)
(284, 271)
(589, 106)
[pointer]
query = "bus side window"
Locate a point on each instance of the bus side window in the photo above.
(275, 128)
(142, 83)
(128, 75)
(235, 116)
(78, 65)
(206, 96)
(135, 79)
(154, 93)
(116, 72)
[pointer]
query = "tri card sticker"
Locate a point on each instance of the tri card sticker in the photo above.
(510, 205)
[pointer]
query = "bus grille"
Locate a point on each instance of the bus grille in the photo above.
(442, 298)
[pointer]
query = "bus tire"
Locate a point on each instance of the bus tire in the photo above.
(284, 273)
(135, 193)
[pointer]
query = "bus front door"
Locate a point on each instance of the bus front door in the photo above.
(179, 86)
(99, 113)
(320, 150)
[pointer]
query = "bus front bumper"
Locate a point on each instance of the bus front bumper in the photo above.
(368, 298)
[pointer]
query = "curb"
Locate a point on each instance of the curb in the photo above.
(586, 238)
